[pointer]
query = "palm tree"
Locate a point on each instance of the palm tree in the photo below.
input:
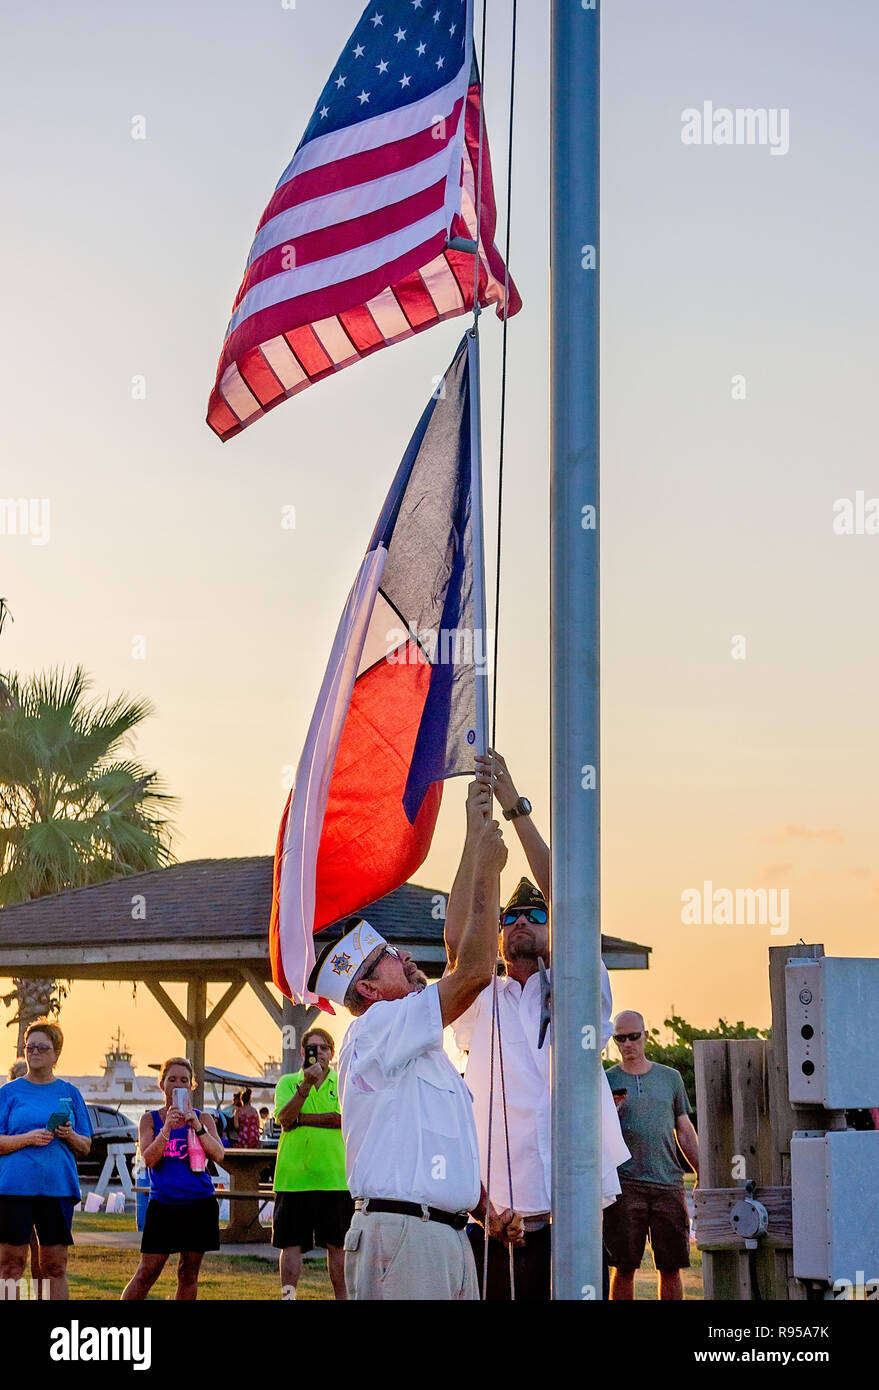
(73, 810)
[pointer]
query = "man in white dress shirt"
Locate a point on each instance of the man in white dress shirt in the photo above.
(524, 939)
(407, 1117)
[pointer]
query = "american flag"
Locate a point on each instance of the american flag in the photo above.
(352, 252)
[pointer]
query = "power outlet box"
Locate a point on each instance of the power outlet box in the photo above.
(832, 1023)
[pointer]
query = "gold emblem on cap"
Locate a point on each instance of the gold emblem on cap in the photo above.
(341, 963)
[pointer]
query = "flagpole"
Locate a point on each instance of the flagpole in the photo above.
(574, 626)
(477, 527)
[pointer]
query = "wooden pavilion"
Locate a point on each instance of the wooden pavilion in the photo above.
(206, 922)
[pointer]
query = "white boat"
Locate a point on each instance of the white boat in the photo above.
(119, 1086)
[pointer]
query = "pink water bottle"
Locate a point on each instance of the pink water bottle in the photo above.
(197, 1157)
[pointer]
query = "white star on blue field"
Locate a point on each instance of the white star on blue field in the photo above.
(400, 52)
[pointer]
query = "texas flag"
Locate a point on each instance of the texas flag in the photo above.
(396, 712)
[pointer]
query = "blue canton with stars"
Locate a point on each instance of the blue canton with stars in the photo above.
(401, 51)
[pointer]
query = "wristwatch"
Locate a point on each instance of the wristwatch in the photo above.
(203, 1130)
(521, 808)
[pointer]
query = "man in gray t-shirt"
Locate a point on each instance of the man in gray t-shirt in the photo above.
(654, 1116)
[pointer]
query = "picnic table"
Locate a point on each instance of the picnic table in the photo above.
(246, 1196)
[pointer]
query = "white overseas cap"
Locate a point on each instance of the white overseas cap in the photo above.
(339, 962)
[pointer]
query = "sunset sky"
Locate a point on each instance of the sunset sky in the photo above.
(747, 763)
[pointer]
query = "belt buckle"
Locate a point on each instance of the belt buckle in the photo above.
(425, 1212)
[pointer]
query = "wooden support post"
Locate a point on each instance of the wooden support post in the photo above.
(735, 1147)
(745, 1125)
(165, 1001)
(749, 1085)
(265, 997)
(296, 1018)
(783, 1117)
(714, 1110)
(222, 1005)
(195, 1027)
(196, 1016)
(752, 1157)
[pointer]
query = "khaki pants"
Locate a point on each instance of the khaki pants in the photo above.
(402, 1257)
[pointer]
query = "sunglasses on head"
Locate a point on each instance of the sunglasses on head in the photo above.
(536, 915)
(628, 1037)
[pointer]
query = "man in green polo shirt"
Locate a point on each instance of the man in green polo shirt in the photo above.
(312, 1204)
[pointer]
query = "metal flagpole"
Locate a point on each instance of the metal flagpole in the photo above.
(477, 530)
(574, 603)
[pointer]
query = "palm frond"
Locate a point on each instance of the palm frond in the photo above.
(72, 810)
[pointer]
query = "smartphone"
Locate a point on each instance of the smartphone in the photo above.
(310, 1054)
(60, 1117)
(181, 1098)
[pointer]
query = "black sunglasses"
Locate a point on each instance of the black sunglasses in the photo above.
(535, 915)
(627, 1037)
(388, 951)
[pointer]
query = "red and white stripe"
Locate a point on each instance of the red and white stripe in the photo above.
(365, 214)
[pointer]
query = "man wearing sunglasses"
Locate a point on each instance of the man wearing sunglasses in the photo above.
(654, 1113)
(524, 940)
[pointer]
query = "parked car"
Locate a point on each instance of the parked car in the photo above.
(109, 1127)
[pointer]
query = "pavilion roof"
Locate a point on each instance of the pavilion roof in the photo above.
(213, 910)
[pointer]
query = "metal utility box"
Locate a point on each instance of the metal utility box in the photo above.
(835, 1187)
(832, 1020)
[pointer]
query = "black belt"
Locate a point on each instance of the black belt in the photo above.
(457, 1219)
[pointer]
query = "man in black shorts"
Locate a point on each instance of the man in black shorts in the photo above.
(312, 1204)
(654, 1114)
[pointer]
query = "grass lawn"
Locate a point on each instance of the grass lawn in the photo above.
(647, 1280)
(101, 1272)
(97, 1273)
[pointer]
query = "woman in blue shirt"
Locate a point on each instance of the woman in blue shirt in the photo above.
(39, 1184)
(182, 1214)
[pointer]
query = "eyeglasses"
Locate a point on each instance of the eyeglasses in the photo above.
(388, 951)
(39, 1047)
(627, 1037)
(536, 915)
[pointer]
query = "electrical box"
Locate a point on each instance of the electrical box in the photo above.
(835, 1189)
(832, 1019)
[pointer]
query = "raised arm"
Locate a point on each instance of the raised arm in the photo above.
(461, 896)
(494, 769)
(477, 946)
